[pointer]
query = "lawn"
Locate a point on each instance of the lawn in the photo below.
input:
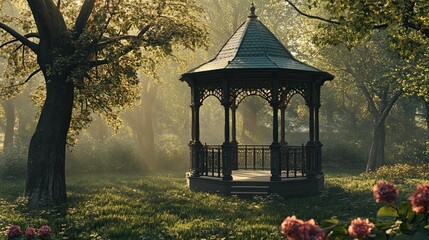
(159, 206)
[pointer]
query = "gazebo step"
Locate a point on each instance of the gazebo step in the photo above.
(249, 193)
(250, 190)
(253, 187)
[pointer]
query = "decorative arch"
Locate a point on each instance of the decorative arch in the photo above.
(238, 95)
(207, 92)
(286, 94)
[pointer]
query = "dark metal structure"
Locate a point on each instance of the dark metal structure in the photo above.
(254, 62)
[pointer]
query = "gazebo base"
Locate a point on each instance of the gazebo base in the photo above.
(257, 183)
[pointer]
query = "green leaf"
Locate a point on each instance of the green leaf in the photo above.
(330, 222)
(387, 212)
(427, 227)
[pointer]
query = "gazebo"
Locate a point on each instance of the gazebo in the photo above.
(254, 62)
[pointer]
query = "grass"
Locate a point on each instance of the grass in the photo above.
(159, 206)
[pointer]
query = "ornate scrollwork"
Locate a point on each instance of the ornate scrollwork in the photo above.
(212, 91)
(238, 95)
(287, 92)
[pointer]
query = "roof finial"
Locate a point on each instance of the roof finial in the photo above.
(252, 11)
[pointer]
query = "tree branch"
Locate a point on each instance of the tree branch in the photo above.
(381, 26)
(41, 16)
(107, 42)
(371, 105)
(97, 63)
(311, 16)
(389, 106)
(24, 40)
(28, 35)
(84, 14)
(26, 80)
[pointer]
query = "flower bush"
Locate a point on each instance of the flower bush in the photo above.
(14, 233)
(395, 221)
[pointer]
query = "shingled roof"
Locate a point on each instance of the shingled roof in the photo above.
(253, 46)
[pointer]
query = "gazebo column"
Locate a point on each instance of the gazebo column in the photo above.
(311, 146)
(234, 143)
(275, 146)
(314, 147)
(283, 125)
(318, 144)
(195, 144)
(317, 129)
(226, 146)
(283, 144)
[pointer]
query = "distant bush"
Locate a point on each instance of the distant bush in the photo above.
(399, 172)
(343, 154)
(13, 162)
(109, 156)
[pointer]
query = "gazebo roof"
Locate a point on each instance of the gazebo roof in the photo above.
(254, 47)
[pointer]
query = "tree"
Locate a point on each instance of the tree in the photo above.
(88, 54)
(406, 24)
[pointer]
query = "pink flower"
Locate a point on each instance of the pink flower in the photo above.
(385, 192)
(291, 227)
(30, 233)
(360, 228)
(420, 198)
(296, 229)
(14, 231)
(45, 232)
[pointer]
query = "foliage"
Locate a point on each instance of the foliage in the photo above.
(400, 172)
(13, 162)
(108, 52)
(394, 220)
(405, 22)
(113, 155)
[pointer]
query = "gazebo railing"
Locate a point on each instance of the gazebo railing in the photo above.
(293, 161)
(211, 163)
(254, 157)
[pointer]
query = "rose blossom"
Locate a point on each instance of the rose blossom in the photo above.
(14, 231)
(385, 192)
(30, 233)
(291, 227)
(45, 231)
(296, 229)
(420, 198)
(360, 228)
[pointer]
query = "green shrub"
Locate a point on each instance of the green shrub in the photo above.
(13, 162)
(400, 171)
(109, 156)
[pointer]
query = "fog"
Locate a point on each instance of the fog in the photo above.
(155, 134)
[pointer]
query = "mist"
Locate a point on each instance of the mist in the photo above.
(154, 135)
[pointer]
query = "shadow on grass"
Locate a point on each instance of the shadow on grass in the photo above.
(161, 207)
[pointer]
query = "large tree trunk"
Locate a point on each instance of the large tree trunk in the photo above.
(45, 183)
(9, 108)
(376, 153)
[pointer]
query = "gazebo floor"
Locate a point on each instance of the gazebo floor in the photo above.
(249, 182)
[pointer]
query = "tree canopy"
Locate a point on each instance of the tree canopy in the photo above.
(89, 54)
(405, 22)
